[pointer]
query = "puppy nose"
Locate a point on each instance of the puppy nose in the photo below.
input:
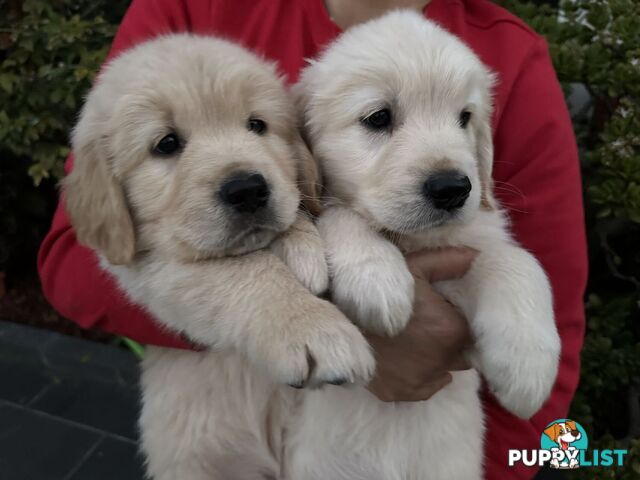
(447, 190)
(245, 192)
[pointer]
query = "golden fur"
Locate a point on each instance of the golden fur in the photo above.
(241, 285)
(378, 208)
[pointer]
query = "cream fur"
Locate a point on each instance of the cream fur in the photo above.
(426, 77)
(238, 286)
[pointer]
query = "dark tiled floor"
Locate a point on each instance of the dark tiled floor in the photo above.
(68, 408)
(99, 465)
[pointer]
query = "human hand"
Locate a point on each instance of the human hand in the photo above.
(416, 363)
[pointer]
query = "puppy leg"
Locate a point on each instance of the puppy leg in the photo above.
(301, 249)
(206, 417)
(370, 281)
(254, 305)
(507, 298)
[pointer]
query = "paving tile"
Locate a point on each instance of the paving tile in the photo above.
(80, 358)
(112, 459)
(37, 447)
(22, 335)
(64, 355)
(15, 350)
(20, 382)
(109, 407)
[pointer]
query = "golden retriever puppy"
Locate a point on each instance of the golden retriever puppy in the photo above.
(187, 160)
(397, 112)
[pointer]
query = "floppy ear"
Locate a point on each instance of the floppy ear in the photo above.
(484, 155)
(95, 199)
(553, 431)
(308, 176)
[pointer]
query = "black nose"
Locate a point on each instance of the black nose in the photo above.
(447, 190)
(245, 192)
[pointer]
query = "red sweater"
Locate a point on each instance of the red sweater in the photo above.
(536, 171)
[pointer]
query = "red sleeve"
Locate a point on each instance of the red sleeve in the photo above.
(537, 177)
(71, 278)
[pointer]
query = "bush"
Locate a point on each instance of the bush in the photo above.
(50, 51)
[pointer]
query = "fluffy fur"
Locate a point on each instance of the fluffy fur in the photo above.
(376, 211)
(235, 283)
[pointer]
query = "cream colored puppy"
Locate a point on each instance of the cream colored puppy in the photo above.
(397, 112)
(187, 160)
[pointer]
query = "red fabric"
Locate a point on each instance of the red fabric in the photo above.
(536, 172)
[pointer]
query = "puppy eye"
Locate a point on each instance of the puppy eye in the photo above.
(465, 116)
(168, 145)
(378, 120)
(256, 125)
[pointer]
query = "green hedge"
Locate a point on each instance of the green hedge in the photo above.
(50, 51)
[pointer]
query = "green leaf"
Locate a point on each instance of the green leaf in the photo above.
(137, 348)
(6, 83)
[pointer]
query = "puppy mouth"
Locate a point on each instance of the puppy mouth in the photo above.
(237, 240)
(251, 239)
(256, 224)
(420, 221)
(247, 229)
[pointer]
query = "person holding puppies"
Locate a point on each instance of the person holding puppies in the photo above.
(536, 176)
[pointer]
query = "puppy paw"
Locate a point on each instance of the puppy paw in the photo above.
(321, 348)
(302, 251)
(310, 268)
(520, 374)
(376, 293)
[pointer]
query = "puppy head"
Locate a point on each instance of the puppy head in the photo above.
(397, 112)
(563, 432)
(188, 144)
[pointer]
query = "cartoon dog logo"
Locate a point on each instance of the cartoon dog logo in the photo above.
(564, 433)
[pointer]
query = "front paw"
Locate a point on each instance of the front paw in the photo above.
(303, 253)
(321, 347)
(310, 268)
(376, 293)
(520, 374)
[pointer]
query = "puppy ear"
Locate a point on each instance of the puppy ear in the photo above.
(484, 154)
(95, 200)
(552, 432)
(308, 176)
